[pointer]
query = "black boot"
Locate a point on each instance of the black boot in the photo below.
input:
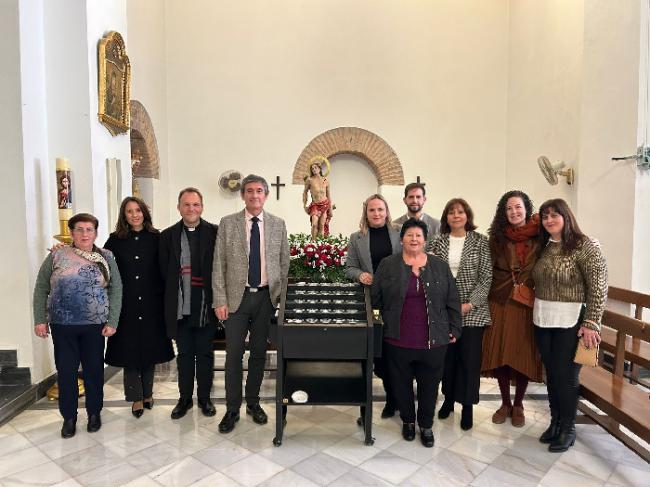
(467, 417)
(565, 438)
(551, 432)
(446, 409)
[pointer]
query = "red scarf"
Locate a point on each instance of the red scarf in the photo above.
(522, 236)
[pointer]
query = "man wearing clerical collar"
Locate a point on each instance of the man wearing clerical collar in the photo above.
(186, 252)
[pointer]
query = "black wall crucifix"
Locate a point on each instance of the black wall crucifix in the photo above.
(277, 185)
(419, 182)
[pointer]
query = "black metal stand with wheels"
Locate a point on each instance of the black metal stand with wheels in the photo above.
(324, 350)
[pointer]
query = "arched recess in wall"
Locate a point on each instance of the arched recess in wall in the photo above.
(143, 143)
(145, 158)
(380, 156)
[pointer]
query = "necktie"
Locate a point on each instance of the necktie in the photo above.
(254, 265)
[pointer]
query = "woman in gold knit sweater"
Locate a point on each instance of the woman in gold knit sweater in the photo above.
(570, 291)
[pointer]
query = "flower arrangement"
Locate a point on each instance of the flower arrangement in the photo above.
(320, 260)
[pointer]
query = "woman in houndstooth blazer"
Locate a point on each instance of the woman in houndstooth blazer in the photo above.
(468, 254)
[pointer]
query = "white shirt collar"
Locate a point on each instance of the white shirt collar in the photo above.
(248, 216)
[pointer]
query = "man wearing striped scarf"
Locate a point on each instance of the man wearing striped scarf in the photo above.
(186, 250)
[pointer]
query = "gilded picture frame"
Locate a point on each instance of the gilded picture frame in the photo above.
(114, 84)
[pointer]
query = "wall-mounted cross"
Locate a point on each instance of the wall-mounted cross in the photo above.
(277, 185)
(419, 182)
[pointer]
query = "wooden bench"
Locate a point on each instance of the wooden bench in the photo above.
(622, 402)
(636, 351)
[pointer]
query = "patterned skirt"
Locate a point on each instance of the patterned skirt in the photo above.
(511, 341)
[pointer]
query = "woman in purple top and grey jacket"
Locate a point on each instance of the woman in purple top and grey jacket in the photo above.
(418, 299)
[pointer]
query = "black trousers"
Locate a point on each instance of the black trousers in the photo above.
(138, 384)
(254, 316)
(461, 379)
(74, 345)
(557, 346)
(405, 364)
(195, 353)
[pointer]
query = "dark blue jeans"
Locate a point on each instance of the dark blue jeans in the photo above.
(74, 345)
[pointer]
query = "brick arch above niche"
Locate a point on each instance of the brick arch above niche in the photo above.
(352, 140)
(143, 143)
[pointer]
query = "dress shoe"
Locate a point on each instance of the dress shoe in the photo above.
(148, 403)
(228, 421)
(426, 437)
(501, 414)
(446, 409)
(258, 414)
(69, 428)
(408, 431)
(518, 418)
(467, 417)
(137, 409)
(181, 408)
(551, 432)
(565, 438)
(207, 408)
(94, 423)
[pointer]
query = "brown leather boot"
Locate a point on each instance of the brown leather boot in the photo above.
(518, 418)
(502, 413)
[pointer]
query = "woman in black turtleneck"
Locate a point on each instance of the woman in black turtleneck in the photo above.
(375, 240)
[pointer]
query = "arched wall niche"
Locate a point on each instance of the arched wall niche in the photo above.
(380, 156)
(143, 143)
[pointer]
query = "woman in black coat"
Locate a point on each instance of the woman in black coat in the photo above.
(141, 341)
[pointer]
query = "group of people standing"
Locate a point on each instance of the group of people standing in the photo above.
(146, 287)
(446, 293)
(476, 315)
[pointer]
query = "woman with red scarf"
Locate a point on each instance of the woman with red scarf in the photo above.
(509, 350)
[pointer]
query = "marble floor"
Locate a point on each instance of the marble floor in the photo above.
(322, 446)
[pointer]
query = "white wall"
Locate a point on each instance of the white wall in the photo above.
(351, 182)
(609, 118)
(544, 94)
(573, 96)
(40, 225)
(147, 52)
(641, 259)
(14, 290)
(249, 84)
(103, 17)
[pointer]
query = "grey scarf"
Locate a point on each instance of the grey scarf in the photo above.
(185, 281)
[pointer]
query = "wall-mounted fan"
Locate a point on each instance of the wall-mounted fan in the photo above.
(552, 171)
(230, 181)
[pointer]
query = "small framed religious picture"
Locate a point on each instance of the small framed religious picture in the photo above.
(114, 84)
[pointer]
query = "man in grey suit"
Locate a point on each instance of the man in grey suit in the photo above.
(251, 260)
(414, 198)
